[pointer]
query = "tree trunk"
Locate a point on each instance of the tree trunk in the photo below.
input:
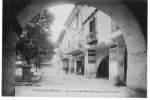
(36, 65)
(28, 61)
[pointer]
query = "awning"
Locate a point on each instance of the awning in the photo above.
(74, 52)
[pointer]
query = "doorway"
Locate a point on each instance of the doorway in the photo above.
(80, 68)
(125, 67)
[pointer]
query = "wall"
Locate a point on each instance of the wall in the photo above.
(89, 69)
(85, 64)
(8, 64)
(71, 33)
(86, 11)
(91, 72)
(57, 59)
(74, 31)
(121, 63)
(137, 71)
(113, 70)
(103, 26)
(118, 67)
(71, 66)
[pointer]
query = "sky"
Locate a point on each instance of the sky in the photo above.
(61, 13)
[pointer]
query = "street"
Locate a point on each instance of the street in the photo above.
(55, 83)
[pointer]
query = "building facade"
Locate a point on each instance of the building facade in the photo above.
(92, 45)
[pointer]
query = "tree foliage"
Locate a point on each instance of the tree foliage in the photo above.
(35, 42)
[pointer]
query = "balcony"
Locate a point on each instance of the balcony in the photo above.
(92, 38)
(75, 47)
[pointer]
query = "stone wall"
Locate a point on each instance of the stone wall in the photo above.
(89, 70)
(121, 64)
(8, 64)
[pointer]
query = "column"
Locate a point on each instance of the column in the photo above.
(8, 64)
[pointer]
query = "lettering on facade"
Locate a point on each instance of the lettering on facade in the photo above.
(91, 56)
(113, 53)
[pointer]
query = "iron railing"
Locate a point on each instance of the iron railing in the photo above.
(92, 38)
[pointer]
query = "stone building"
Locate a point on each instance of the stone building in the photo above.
(92, 45)
(61, 49)
(82, 28)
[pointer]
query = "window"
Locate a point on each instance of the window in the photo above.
(92, 25)
(91, 56)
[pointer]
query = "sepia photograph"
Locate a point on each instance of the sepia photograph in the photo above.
(74, 48)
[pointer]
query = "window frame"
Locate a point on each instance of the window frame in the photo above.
(92, 25)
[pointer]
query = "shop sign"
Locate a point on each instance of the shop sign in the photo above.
(91, 56)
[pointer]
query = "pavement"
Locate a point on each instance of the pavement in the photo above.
(34, 78)
(55, 83)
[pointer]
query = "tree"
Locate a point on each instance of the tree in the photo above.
(35, 42)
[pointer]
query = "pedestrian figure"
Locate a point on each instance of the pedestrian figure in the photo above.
(80, 70)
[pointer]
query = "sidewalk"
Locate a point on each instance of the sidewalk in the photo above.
(57, 84)
(34, 78)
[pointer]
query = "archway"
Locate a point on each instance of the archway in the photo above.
(103, 68)
(124, 20)
(121, 15)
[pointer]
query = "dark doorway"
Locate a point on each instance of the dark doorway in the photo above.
(103, 68)
(125, 67)
(80, 68)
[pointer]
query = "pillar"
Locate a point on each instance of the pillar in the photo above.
(75, 66)
(121, 64)
(90, 68)
(8, 64)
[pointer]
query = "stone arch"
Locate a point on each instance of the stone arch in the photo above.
(103, 68)
(124, 19)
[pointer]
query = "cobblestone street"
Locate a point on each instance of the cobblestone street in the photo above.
(55, 82)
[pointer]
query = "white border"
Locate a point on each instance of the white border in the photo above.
(68, 98)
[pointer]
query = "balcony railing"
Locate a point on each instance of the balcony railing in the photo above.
(76, 45)
(92, 38)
